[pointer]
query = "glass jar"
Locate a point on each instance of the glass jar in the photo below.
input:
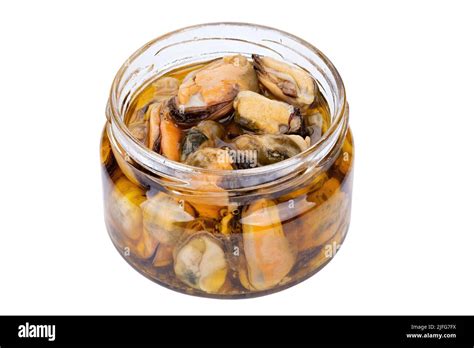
(218, 233)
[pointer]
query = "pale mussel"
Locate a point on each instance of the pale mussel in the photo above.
(266, 116)
(267, 149)
(200, 262)
(205, 134)
(286, 82)
(208, 93)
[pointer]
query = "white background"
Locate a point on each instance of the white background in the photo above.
(409, 71)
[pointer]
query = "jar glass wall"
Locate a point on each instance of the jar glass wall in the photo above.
(218, 233)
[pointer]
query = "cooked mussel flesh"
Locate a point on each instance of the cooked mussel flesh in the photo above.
(268, 254)
(210, 158)
(205, 134)
(164, 135)
(165, 217)
(164, 88)
(266, 116)
(200, 262)
(124, 211)
(270, 149)
(286, 82)
(208, 93)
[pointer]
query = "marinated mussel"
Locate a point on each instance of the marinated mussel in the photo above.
(124, 211)
(162, 89)
(210, 158)
(262, 115)
(208, 93)
(269, 148)
(165, 88)
(200, 262)
(286, 82)
(165, 217)
(268, 254)
(126, 218)
(205, 134)
(164, 135)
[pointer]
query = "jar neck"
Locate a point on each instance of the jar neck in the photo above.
(140, 69)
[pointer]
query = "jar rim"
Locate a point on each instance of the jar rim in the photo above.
(154, 161)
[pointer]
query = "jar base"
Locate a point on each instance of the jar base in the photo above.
(140, 267)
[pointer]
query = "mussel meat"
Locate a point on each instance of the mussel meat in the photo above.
(164, 135)
(165, 217)
(164, 88)
(268, 148)
(200, 262)
(207, 93)
(286, 82)
(139, 131)
(163, 256)
(321, 222)
(205, 134)
(145, 246)
(268, 254)
(216, 198)
(125, 216)
(262, 115)
(210, 158)
(124, 211)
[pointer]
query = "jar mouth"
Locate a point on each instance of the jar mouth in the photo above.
(120, 97)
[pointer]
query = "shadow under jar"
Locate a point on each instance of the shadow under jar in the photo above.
(226, 233)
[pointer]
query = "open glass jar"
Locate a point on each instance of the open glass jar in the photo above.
(226, 233)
